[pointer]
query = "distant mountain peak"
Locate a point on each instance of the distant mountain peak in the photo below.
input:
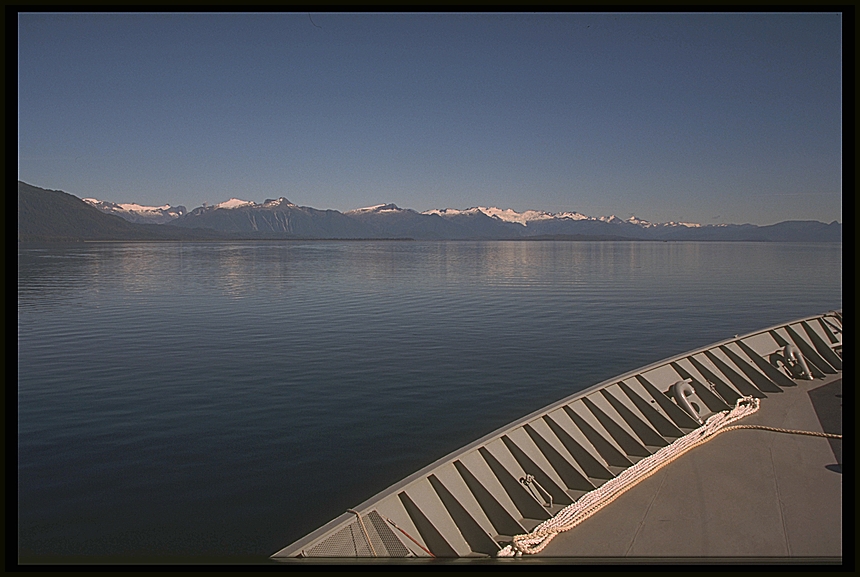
(282, 217)
(138, 213)
(453, 212)
(572, 216)
(376, 209)
(234, 203)
(510, 215)
(271, 203)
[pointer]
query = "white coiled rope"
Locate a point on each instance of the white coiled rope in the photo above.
(591, 502)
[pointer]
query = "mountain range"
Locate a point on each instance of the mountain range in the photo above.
(56, 215)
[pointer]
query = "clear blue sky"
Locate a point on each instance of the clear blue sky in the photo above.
(693, 117)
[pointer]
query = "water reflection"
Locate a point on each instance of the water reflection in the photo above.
(53, 275)
(82, 272)
(231, 385)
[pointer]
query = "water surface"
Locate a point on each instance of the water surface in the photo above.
(217, 400)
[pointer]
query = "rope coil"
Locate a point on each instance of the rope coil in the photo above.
(591, 502)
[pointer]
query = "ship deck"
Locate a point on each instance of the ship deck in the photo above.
(744, 495)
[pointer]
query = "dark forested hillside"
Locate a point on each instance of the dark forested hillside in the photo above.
(53, 215)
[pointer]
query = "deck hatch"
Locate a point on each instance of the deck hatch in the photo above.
(501, 520)
(740, 383)
(628, 444)
(711, 400)
(431, 536)
(528, 507)
(677, 414)
(646, 434)
(761, 381)
(663, 425)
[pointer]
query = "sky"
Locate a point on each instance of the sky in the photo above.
(697, 117)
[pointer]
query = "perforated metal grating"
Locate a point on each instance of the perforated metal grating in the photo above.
(389, 540)
(351, 542)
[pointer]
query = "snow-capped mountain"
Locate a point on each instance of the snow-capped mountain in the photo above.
(508, 214)
(645, 224)
(280, 218)
(530, 216)
(234, 203)
(273, 218)
(239, 203)
(534, 223)
(138, 213)
(379, 209)
(610, 219)
(391, 221)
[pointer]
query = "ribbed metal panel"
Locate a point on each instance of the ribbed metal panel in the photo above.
(617, 427)
(678, 416)
(508, 472)
(743, 385)
(822, 347)
(833, 328)
(828, 330)
(709, 373)
(472, 502)
(531, 450)
(630, 414)
(392, 509)
(474, 467)
(704, 390)
(478, 540)
(779, 378)
(809, 351)
(782, 337)
(763, 344)
(562, 450)
(550, 489)
(429, 500)
(454, 483)
(502, 520)
(599, 438)
(435, 529)
(761, 381)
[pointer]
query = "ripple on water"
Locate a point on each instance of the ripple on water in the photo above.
(227, 398)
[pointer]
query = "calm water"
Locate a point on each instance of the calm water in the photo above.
(216, 400)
